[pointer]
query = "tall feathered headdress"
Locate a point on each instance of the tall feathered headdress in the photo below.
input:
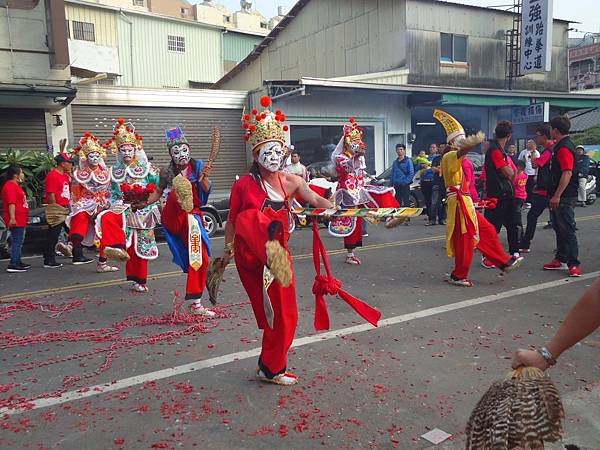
(264, 126)
(455, 133)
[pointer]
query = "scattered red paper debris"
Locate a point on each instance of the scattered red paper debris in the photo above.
(119, 441)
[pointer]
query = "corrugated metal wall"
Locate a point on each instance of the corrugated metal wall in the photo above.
(22, 129)
(104, 20)
(151, 122)
(152, 65)
(237, 46)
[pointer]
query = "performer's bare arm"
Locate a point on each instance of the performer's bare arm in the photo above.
(205, 180)
(580, 322)
(300, 188)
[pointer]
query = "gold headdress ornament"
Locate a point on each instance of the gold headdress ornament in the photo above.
(124, 133)
(352, 133)
(89, 144)
(455, 133)
(265, 126)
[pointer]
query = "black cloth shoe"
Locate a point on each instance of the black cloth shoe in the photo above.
(24, 266)
(52, 265)
(15, 269)
(81, 260)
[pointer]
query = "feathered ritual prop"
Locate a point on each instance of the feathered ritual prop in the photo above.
(522, 411)
(469, 142)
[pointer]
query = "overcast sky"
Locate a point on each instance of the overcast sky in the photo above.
(584, 11)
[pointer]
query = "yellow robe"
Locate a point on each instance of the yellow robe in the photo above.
(452, 173)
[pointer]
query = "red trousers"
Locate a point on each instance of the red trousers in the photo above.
(355, 239)
(175, 221)
(489, 246)
(113, 235)
(78, 228)
(250, 258)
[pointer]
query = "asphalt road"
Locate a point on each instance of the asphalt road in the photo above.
(95, 366)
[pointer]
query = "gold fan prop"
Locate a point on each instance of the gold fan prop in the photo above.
(522, 411)
(216, 270)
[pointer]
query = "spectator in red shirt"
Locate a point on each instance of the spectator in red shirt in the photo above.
(499, 184)
(58, 192)
(539, 197)
(16, 213)
(562, 191)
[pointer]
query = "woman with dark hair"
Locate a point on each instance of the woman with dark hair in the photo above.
(16, 213)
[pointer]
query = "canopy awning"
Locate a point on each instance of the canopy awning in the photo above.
(503, 100)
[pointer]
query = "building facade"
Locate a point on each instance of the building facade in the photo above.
(137, 47)
(584, 67)
(35, 76)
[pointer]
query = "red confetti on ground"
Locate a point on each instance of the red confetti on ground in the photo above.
(119, 441)
(115, 335)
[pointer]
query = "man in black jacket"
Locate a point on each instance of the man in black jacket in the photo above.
(583, 170)
(499, 184)
(562, 192)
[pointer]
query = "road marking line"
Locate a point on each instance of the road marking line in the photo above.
(64, 289)
(299, 342)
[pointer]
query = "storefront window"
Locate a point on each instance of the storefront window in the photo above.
(316, 143)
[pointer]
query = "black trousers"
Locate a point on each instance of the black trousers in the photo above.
(529, 188)
(403, 194)
(563, 220)
(538, 204)
(438, 209)
(51, 241)
(426, 187)
(507, 214)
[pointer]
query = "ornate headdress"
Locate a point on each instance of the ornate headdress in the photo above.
(89, 144)
(175, 136)
(352, 133)
(124, 133)
(455, 133)
(265, 126)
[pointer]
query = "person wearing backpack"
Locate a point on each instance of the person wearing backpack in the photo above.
(539, 197)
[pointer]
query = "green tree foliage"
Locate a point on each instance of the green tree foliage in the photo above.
(589, 137)
(35, 165)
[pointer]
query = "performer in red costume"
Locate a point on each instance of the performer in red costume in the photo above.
(257, 234)
(126, 231)
(89, 197)
(349, 161)
(186, 186)
(467, 229)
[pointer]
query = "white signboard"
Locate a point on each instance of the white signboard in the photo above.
(536, 36)
(534, 113)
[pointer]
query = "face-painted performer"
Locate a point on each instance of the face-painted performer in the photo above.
(466, 229)
(257, 234)
(186, 184)
(127, 230)
(90, 196)
(352, 192)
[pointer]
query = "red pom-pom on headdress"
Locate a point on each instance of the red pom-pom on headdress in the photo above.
(265, 101)
(120, 121)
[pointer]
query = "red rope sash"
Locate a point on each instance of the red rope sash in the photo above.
(329, 285)
(461, 203)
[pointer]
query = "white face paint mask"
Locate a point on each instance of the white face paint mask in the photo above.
(180, 154)
(271, 155)
(127, 152)
(94, 158)
(354, 146)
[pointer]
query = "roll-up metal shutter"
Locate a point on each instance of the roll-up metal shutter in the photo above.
(151, 123)
(22, 129)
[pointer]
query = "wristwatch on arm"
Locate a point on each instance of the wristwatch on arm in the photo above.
(547, 355)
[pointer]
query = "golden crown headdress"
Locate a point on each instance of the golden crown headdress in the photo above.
(124, 133)
(265, 126)
(352, 133)
(89, 144)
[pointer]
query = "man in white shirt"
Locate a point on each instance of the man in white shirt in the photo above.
(296, 167)
(527, 155)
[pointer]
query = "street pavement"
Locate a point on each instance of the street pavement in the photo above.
(92, 365)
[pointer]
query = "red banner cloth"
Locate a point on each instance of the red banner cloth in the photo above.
(329, 285)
